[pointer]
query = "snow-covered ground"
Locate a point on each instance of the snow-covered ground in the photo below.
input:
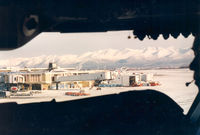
(172, 83)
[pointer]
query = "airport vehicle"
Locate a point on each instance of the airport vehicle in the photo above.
(22, 20)
(14, 89)
(81, 93)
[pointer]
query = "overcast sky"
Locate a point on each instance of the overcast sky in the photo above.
(78, 43)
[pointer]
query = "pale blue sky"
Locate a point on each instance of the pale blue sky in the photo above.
(78, 43)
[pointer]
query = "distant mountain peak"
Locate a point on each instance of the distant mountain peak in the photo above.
(111, 58)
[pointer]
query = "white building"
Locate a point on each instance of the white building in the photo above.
(14, 78)
(85, 77)
(147, 77)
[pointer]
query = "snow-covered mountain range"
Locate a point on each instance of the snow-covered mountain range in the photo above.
(150, 57)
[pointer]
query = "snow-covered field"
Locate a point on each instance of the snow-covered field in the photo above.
(172, 83)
